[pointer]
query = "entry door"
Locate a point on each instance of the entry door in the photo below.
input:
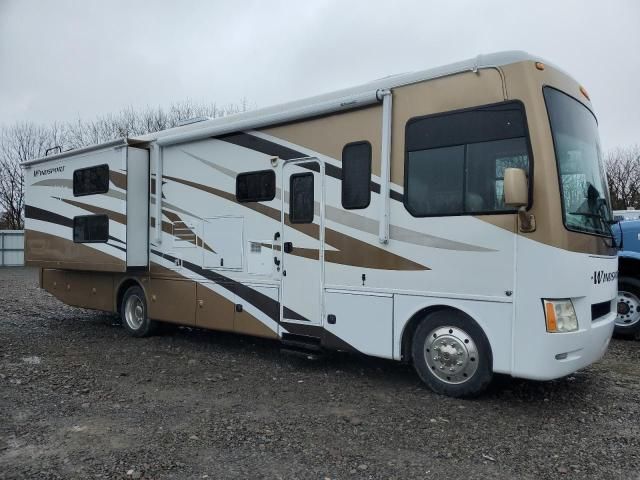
(302, 241)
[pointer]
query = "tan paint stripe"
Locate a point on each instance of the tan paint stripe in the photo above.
(118, 179)
(196, 239)
(213, 310)
(115, 216)
(47, 250)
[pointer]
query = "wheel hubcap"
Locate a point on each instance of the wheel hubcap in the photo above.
(134, 312)
(628, 309)
(451, 354)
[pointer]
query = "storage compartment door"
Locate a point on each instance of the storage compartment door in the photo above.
(363, 320)
(222, 237)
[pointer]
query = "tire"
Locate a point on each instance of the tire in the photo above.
(628, 320)
(464, 342)
(133, 312)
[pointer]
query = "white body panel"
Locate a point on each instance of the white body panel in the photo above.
(359, 314)
(137, 207)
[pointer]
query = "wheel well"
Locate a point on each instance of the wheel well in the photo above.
(122, 288)
(412, 325)
(628, 267)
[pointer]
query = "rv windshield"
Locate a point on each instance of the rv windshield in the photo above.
(583, 187)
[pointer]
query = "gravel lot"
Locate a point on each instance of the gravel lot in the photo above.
(81, 399)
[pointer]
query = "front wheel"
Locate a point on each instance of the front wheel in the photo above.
(134, 313)
(452, 355)
(628, 320)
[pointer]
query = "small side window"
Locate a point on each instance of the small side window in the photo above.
(356, 175)
(91, 180)
(259, 186)
(301, 198)
(91, 229)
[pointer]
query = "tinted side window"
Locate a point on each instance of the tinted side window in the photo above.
(301, 198)
(434, 180)
(257, 186)
(91, 229)
(356, 175)
(92, 180)
(455, 162)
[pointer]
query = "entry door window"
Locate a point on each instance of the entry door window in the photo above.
(301, 198)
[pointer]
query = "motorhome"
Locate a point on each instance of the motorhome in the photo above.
(455, 218)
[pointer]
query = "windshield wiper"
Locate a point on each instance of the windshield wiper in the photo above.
(602, 218)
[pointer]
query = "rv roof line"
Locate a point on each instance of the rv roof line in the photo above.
(341, 100)
(119, 142)
(191, 120)
(350, 98)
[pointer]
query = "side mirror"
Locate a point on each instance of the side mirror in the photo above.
(515, 188)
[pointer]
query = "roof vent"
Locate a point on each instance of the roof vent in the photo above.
(189, 121)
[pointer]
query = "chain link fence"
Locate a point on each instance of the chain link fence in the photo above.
(11, 248)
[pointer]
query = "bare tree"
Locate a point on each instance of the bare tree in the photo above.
(18, 143)
(623, 174)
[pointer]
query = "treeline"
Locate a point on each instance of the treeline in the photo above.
(27, 140)
(623, 174)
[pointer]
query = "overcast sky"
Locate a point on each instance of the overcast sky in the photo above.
(64, 59)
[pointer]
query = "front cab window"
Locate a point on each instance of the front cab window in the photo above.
(583, 187)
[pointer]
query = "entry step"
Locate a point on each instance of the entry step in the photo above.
(301, 345)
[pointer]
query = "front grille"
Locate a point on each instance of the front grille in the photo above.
(600, 310)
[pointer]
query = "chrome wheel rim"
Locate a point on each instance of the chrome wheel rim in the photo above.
(628, 309)
(451, 355)
(134, 312)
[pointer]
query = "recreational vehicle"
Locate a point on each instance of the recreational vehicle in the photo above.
(455, 218)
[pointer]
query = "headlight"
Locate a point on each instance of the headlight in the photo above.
(560, 316)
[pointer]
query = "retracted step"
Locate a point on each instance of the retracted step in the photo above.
(301, 345)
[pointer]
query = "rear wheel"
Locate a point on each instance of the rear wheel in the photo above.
(452, 354)
(628, 320)
(134, 313)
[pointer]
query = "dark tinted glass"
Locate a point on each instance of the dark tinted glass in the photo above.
(484, 172)
(455, 161)
(356, 175)
(434, 183)
(493, 122)
(585, 196)
(301, 198)
(257, 186)
(91, 229)
(92, 180)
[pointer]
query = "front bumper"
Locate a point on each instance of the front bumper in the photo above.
(560, 354)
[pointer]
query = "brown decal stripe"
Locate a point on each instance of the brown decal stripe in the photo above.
(118, 179)
(121, 218)
(36, 213)
(327, 339)
(273, 149)
(258, 207)
(350, 251)
(267, 305)
(47, 250)
(355, 253)
(114, 216)
(196, 240)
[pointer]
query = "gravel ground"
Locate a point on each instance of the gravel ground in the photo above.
(81, 399)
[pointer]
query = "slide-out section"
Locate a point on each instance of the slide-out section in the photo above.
(89, 210)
